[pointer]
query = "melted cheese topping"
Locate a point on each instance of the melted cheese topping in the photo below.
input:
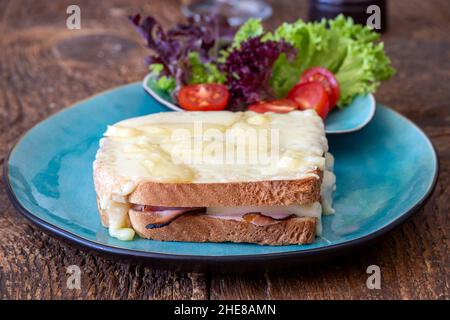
(169, 147)
(174, 147)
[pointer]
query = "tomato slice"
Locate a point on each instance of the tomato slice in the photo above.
(327, 79)
(278, 106)
(311, 95)
(204, 97)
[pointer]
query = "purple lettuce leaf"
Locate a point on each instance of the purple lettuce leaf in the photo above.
(249, 69)
(206, 35)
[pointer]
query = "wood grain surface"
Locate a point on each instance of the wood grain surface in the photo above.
(44, 67)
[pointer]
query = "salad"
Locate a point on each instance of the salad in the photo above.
(207, 65)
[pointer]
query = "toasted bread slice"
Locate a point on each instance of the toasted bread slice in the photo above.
(204, 228)
(252, 193)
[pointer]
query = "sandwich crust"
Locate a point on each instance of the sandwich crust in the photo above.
(254, 193)
(203, 228)
(248, 193)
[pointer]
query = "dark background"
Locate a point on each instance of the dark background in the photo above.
(44, 67)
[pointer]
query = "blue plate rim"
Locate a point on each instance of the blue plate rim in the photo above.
(130, 253)
(362, 125)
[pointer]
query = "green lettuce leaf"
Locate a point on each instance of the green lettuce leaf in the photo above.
(365, 65)
(285, 73)
(165, 83)
(201, 72)
(250, 29)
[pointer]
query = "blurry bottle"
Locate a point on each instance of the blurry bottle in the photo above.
(236, 11)
(362, 11)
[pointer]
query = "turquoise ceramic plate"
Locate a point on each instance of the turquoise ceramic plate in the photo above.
(352, 118)
(384, 173)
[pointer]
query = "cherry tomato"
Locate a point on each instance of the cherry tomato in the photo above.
(311, 95)
(204, 97)
(327, 79)
(278, 106)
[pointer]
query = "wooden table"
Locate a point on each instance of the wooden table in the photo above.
(45, 67)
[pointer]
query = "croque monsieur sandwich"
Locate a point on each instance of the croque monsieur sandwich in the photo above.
(179, 176)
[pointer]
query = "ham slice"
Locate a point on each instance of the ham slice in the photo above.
(262, 220)
(144, 207)
(165, 215)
